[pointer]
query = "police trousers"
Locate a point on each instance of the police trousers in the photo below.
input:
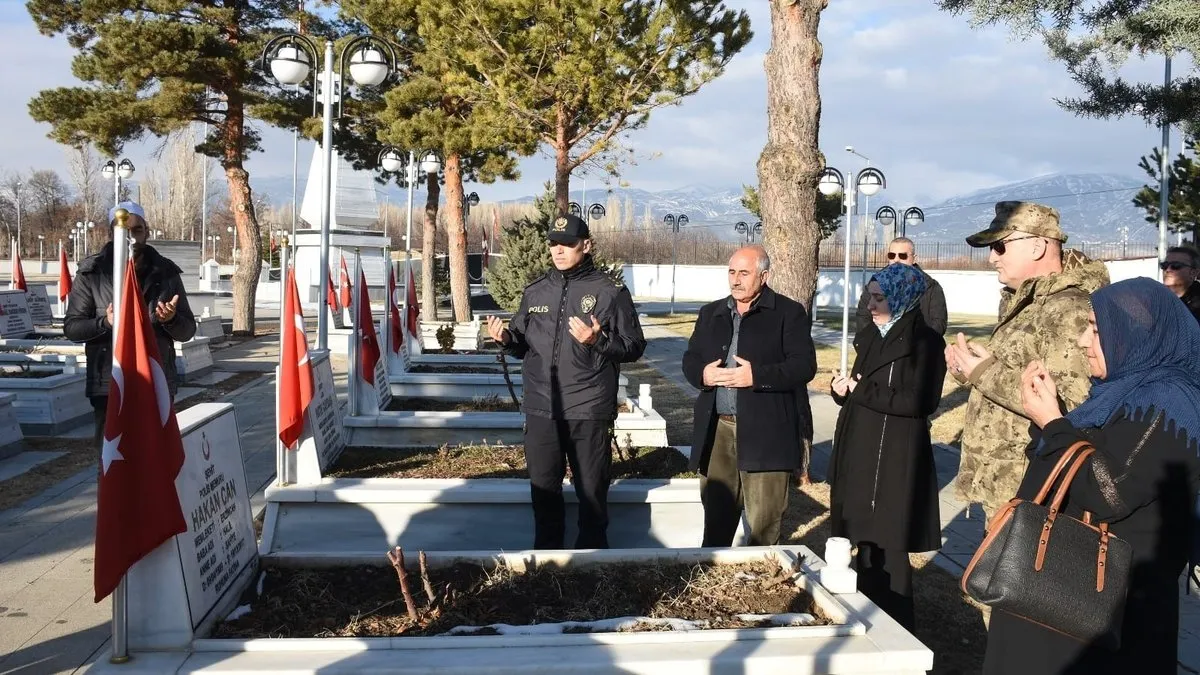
(587, 446)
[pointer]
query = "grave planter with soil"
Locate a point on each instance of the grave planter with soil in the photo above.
(47, 402)
(436, 499)
(464, 383)
(757, 610)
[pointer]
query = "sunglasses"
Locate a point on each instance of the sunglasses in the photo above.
(893, 256)
(1001, 247)
(1173, 266)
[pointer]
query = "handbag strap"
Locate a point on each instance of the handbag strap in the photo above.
(1062, 462)
(1059, 495)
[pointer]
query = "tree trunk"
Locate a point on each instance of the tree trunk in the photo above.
(791, 162)
(456, 224)
(429, 248)
(562, 165)
(249, 262)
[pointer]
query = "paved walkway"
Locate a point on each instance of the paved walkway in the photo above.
(962, 530)
(48, 621)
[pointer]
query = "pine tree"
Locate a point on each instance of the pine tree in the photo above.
(1183, 212)
(156, 67)
(578, 74)
(429, 109)
(1092, 37)
(527, 257)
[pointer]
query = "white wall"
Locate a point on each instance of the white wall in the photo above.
(967, 292)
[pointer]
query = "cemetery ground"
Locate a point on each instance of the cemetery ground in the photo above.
(49, 624)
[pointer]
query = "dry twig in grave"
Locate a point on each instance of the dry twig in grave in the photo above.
(430, 596)
(397, 560)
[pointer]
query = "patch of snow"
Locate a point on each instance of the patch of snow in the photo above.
(238, 613)
(779, 619)
(616, 625)
(262, 576)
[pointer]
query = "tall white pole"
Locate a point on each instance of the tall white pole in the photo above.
(1164, 188)
(674, 247)
(326, 196)
(18, 216)
(204, 203)
(849, 192)
(295, 170)
(352, 378)
(412, 178)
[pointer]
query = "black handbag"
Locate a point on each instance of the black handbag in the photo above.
(1067, 575)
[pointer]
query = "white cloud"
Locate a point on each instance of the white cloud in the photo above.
(943, 109)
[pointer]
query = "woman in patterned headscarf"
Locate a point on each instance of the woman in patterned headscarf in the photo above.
(1143, 418)
(883, 483)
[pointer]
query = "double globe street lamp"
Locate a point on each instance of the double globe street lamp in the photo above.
(674, 222)
(748, 231)
(117, 172)
(290, 58)
(594, 211)
(887, 217)
(869, 182)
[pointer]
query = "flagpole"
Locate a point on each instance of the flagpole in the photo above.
(355, 336)
(285, 323)
(120, 610)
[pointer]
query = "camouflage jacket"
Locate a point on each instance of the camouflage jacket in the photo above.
(1042, 319)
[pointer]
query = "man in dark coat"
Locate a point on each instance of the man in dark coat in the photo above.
(933, 302)
(750, 355)
(573, 329)
(89, 317)
(1180, 271)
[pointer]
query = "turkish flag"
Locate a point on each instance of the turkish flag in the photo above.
(331, 295)
(394, 311)
(413, 310)
(347, 298)
(64, 275)
(18, 274)
(368, 341)
(137, 507)
(295, 370)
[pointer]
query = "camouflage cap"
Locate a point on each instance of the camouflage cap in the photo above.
(1028, 217)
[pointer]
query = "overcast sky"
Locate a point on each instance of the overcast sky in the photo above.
(941, 108)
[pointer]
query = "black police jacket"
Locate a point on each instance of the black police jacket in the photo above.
(564, 379)
(160, 279)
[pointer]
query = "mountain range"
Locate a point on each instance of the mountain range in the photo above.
(1094, 206)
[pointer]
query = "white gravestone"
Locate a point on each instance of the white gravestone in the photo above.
(195, 578)
(39, 305)
(15, 321)
(324, 438)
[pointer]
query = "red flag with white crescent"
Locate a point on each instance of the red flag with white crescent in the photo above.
(347, 298)
(64, 275)
(368, 344)
(137, 507)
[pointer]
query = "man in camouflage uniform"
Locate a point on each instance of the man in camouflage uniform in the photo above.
(1043, 312)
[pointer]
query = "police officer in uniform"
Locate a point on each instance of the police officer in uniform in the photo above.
(573, 329)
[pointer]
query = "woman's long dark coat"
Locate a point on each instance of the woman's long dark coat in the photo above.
(883, 482)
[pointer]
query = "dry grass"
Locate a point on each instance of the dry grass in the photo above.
(491, 461)
(949, 623)
(81, 453)
(366, 601)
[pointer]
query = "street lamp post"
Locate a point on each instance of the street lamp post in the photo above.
(392, 160)
(887, 216)
(289, 59)
(18, 215)
(674, 222)
(117, 172)
(869, 181)
(747, 230)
